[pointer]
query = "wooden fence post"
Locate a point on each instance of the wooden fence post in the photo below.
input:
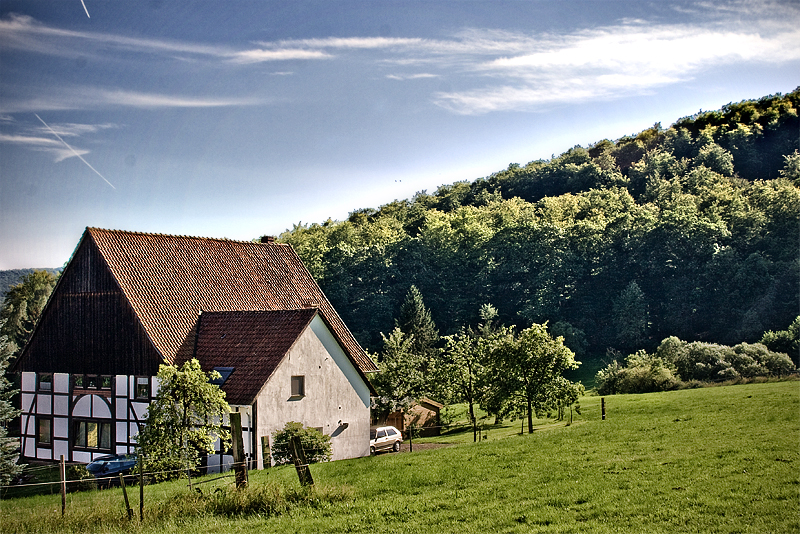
(299, 459)
(237, 443)
(63, 486)
(125, 494)
(603, 407)
(141, 488)
(265, 453)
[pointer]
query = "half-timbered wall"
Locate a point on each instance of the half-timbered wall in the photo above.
(82, 416)
(70, 415)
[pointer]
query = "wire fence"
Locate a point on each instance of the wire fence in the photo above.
(129, 473)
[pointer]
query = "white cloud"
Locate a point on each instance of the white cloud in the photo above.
(120, 97)
(259, 56)
(613, 62)
(97, 97)
(69, 129)
(42, 144)
(419, 76)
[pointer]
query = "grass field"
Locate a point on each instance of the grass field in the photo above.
(723, 459)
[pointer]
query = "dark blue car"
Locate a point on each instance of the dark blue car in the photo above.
(110, 467)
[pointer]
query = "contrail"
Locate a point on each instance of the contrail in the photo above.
(73, 151)
(87, 14)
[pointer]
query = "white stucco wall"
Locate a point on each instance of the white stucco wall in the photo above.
(335, 394)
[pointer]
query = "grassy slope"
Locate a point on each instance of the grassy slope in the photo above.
(719, 459)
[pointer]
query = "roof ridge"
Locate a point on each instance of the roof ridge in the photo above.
(92, 229)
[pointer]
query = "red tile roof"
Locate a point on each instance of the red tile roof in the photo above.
(253, 343)
(169, 280)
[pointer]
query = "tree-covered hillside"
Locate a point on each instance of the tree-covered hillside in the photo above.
(690, 231)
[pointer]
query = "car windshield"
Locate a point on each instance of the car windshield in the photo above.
(373, 433)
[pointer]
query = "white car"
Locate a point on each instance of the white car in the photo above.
(384, 438)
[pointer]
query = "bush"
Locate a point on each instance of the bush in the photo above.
(643, 373)
(316, 445)
(785, 341)
(709, 362)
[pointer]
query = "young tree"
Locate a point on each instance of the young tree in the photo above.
(400, 380)
(8, 446)
(316, 445)
(528, 367)
(465, 356)
(185, 419)
(22, 307)
(465, 361)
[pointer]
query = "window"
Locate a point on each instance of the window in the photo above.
(105, 382)
(44, 434)
(78, 381)
(298, 386)
(381, 434)
(45, 382)
(91, 381)
(390, 432)
(142, 387)
(92, 435)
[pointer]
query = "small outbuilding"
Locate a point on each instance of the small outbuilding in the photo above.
(422, 415)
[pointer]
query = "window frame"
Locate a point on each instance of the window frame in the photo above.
(104, 431)
(145, 384)
(299, 391)
(40, 379)
(44, 419)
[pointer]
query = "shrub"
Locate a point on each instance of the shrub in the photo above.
(785, 341)
(608, 379)
(643, 373)
(316, 445)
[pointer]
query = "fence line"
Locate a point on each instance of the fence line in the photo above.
(132, 473)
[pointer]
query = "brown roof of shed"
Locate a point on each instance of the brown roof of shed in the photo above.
(252, 343)
(169, 280)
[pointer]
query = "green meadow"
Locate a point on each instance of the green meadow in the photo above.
(720, 459)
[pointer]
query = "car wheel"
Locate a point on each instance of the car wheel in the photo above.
(372, 450)
(396, 446)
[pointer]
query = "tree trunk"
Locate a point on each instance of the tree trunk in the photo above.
(530, 417)
(474, 423)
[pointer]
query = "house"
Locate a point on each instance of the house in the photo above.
(128, 302)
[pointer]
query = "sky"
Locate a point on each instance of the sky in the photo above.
(244, 118)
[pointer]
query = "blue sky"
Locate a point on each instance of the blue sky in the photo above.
(238, 119)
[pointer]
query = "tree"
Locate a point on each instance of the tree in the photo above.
(22, 307)
(9, 447)
(630, 314)
(466, 356)
(466, 362)
(400, 380)
(184, 421)
(315, 444)
(415, 320)
(528, 367)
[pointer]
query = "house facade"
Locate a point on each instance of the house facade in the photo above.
(128, 302)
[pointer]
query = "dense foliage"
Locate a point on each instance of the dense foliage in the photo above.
(676, 364)
(9, 447)
(23, 305)
(184, 421)
(689, 231)
(316, 445)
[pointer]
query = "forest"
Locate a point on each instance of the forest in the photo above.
(688, 231)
